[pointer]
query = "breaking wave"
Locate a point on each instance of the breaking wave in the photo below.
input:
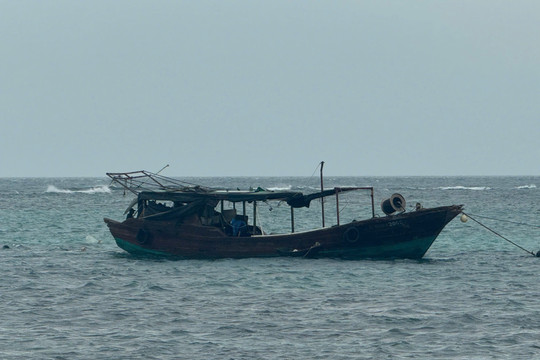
(280, 188)
(531, 186)
(475, 188)
(103, 189)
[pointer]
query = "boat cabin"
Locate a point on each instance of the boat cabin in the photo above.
(227, 210)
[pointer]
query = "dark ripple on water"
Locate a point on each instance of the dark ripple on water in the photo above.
(73, 295)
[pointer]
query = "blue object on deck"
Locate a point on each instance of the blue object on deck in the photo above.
(238, 226)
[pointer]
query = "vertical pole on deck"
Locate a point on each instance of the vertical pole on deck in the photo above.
(322, 197)
(337, 205)
(254, 217)
(372, 204)
(292, 219)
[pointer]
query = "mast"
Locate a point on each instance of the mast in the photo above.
(322, 190)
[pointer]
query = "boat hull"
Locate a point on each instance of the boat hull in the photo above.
(404, 236)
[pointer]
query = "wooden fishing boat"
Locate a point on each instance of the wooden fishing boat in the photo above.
(186, 221)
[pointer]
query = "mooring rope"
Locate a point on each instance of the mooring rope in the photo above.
(499, 235)
(508, 221)
(316, 245)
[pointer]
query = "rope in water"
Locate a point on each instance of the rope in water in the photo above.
(499, 235)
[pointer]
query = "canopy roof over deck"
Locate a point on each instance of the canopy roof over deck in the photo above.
(189, 195)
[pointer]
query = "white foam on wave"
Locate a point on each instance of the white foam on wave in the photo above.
(531, 186)
(280, 188)
(54, 189)
(475, 188)
(103, 189)
(92, 240)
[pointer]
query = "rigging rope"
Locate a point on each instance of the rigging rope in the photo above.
(502, 237)
(311, 177)
(314, 171)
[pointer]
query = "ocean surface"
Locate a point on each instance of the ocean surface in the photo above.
(68, 292)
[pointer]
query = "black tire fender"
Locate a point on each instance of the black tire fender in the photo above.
(351, 235)
(143, 237)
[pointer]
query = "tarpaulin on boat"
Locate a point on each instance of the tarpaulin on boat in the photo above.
(293, 198)
(177, 213)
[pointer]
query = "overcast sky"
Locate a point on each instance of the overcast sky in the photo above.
(262, 88)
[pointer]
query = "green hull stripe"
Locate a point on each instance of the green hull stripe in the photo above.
(134, 249)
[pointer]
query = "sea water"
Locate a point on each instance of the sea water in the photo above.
(68, 292)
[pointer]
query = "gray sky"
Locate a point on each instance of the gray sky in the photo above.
(267, 88)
